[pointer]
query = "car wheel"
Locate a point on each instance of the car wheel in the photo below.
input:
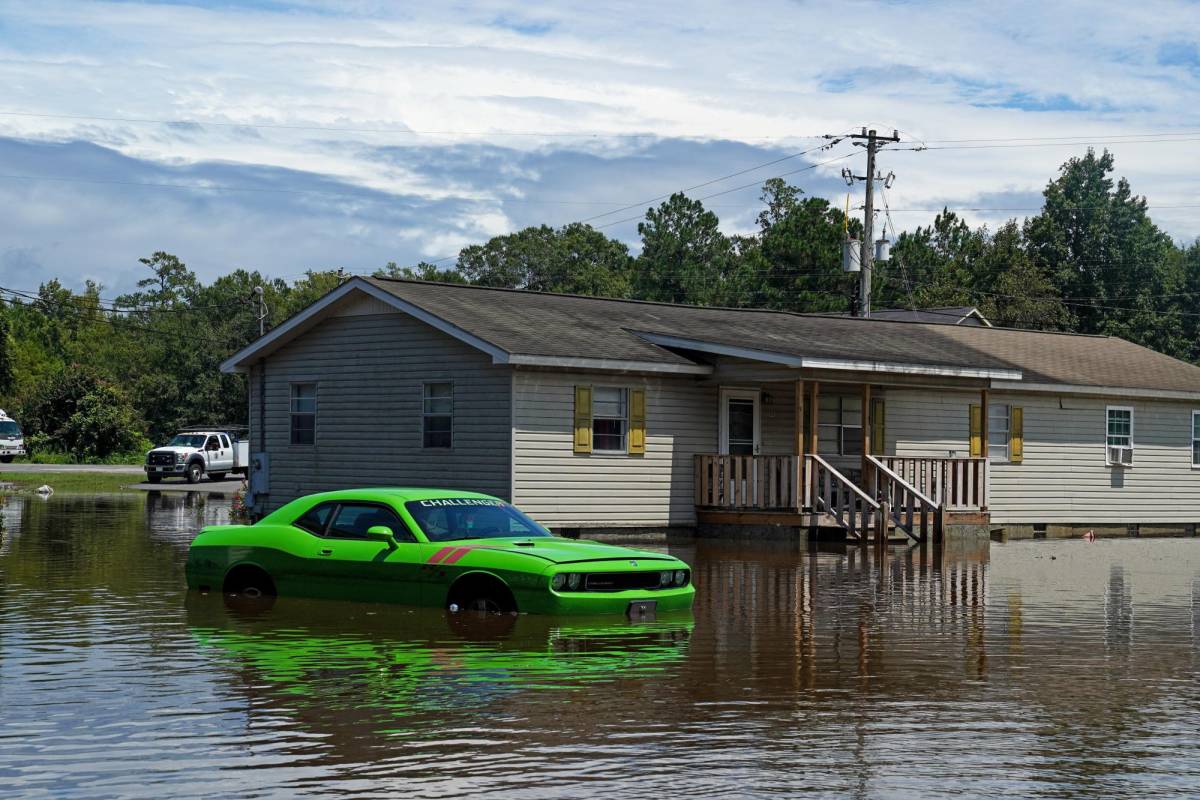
(481, 594)
(194, 472)
(6, 459)
(216, 476)
(249, 581)
(154, 478)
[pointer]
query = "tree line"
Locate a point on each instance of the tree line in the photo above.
(97, 379)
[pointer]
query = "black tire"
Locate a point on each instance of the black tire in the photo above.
(152, 478)
(194, 472)
(249, 581)
(481, 595)
(216, 476)
(6, 459)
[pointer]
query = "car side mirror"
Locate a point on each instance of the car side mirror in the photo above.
(382, 533)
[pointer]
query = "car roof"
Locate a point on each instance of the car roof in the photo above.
(397, 493)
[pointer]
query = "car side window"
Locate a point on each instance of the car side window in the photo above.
(315, 520)
(211, 444)
(224, 442)
(353, 520)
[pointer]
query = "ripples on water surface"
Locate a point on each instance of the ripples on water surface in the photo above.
(1040, 669)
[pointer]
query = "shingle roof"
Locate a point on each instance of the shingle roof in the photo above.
(572, 326)
(945, 315)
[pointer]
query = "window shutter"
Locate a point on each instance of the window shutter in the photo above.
(637, 422)
(976, 431)
(583, 419)
(878, 430)
(1016, 436)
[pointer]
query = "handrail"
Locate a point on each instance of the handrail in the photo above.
(879, 465)
(843, 479)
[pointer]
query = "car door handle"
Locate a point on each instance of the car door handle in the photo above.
(326, 551)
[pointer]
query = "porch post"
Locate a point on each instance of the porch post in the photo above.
(813, 403)
(866, 440)
(798, 446)
(983, 423)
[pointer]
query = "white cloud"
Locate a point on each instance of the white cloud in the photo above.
(765, 74)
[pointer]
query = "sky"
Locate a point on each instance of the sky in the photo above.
(285, 136)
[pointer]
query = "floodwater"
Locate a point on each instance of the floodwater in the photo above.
(1037, 669)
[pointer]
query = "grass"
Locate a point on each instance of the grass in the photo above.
(93, 482)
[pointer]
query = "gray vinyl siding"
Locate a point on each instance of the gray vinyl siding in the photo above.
(369, 370)
(563, 489)
(1063, 478)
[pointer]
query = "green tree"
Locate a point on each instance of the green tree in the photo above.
(685, 258)
(575, 259)
(1119, 271)
(424, 271)
(76, 410)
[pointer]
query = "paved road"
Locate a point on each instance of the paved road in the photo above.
(120, 469)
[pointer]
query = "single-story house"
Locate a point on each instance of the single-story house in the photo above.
(599, 413)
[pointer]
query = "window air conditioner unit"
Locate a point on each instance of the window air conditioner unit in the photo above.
(1120, 456)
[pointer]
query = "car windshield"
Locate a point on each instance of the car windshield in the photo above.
(9, 428)
(450, 518)
(187, 440)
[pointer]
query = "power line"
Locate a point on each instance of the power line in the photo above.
(1042, 144)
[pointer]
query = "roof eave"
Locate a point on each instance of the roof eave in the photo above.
(811, 362)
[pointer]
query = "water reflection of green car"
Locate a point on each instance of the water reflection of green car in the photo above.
(359, 659)
(433, 548)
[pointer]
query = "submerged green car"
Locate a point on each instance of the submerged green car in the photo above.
(433, 548)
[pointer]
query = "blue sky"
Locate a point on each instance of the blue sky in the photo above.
(293, 136)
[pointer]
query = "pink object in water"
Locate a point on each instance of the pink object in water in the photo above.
(1089, 536)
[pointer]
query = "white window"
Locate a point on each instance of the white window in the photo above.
(999, 431)
(1119, 436)
(610, 419)
(839, 425)
(1196, 438)
(437, 415)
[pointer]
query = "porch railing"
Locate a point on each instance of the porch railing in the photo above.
(955, 484)
(836, 495)
(768, 483)
(911, 511)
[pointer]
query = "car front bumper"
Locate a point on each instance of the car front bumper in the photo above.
(551, 602)
(12, 451)
(172, 469)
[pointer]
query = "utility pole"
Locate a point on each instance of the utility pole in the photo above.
(873, 140)
(258, 294)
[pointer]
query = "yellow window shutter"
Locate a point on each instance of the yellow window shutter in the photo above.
(1016, 436)
(878, 429)
(583, 419)
(637, 422)
(976, 431)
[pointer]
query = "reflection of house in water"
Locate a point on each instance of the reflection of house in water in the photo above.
(1118, 611)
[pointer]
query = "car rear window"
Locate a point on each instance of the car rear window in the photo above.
(447, 519)
(316, 518)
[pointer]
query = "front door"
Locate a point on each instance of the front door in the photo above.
(740, 424)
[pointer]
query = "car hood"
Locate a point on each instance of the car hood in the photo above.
(174, 450)
(558, 550)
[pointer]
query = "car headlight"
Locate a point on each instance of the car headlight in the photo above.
(558, 581)
(664, 579)
(573, 581)
(681, 577)
(179, 458)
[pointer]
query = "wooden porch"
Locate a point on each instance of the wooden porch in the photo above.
(893, 497)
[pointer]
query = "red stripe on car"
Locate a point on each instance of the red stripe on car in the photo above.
(440, 554)
(456, 555)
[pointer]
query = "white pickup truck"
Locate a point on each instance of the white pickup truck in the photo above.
(194, 453)
(12, 441)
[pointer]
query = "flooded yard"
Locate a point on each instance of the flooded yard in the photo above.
(1033, 669)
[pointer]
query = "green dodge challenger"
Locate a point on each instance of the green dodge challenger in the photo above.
(432, 547)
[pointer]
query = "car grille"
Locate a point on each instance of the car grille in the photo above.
(620, 581)
(161, 459)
